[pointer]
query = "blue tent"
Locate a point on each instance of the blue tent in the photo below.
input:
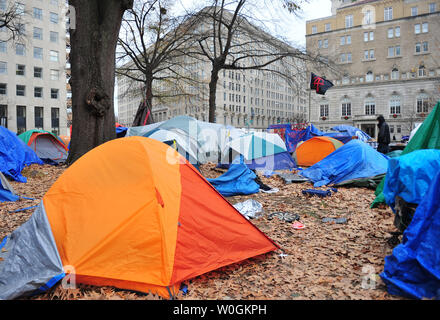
(344, 137)
(352, 131)
(238, 180)
(15, 155)
(279, 161)
(354, 160)
(413, 269)
(409, 176)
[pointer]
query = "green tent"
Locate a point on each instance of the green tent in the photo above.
(426, 137)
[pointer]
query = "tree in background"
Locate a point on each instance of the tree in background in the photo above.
(150, 54)
(11, 20)
(230, 41)
(93, 46)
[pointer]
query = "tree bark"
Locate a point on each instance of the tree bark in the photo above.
(146, 106)
(92, 57)
(213, 92)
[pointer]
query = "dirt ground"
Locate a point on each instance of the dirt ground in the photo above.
(323, 261)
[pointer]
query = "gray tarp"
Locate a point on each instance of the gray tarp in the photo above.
(29, 258)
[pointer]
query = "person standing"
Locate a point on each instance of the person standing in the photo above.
(383, 137)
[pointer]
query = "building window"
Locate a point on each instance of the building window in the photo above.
(4, 115)
(348, 39)
(55, 75)
(424, 27)
(319, 43)
(398, 128)
(342, 57)
(38, 13)
(417, 28)
(388, 13)
(369, 76)
(395, 105)
(422, 71)
(3, 89)
(20, 90)
(38, 33)
(55, 117)
(38, 53)
(422, 103)
(349, 21)
(397, 31)
(314, 29)
(414, 11)
(3, 67)
(19, 8)
(54, 37)
(349, 57)
(367, 17)
(323, 110)
(20, 70)
(325, 43)
(370, 107)
(390, 33)
(38, 92)
(365, 36)
(346, 108)
(53, 56)
(54, 18)
(327, 27)
(21, 119)
(418, 48)
(372, 54)
(395, 74)
(54, 93)
(38, 116)
(425, 46)
(3, 46)
(432, 7)
(20, 49)
(38, 72)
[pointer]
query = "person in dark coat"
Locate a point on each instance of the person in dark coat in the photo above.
(383, 137)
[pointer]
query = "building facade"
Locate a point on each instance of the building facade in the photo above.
(244, 98)
(32, 68)
(386, 61)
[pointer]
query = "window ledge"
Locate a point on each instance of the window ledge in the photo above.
(422, 53)
(368, 60)
(394, 57)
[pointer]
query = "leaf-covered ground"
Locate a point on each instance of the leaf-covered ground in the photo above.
(325, 260)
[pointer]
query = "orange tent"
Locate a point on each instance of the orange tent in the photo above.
(311, 151)
(65, 139)
(134, 214)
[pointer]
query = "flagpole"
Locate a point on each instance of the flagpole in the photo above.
(310, 94)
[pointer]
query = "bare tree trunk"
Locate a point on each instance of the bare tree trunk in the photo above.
(213, 92)
(93, 43)
(144, 114)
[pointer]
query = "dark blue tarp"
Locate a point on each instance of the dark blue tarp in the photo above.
(279, 161)
(409, 176)
(344, 137)
(238, 180)
(6, 195)
(413, 269)
(353, 160)
(15, 155)
(121, 131)
(352, 131)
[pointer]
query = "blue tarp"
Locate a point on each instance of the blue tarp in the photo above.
(344, 137)
(353, 160)
(413, 269)
(15, 155)
(352, 131)
(238, 180)
(6, 195)
(409, 176)
(279, 161)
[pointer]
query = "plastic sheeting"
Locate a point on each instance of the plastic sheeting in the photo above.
(251, 208)
(413, 269)
(30, 258)
(238, 180)
(353, 131)
(354, 160)
(7, 193)
(426, 137)
(409, 176)
(279, 161)
(15, 155)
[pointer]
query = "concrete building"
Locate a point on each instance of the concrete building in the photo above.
(244, 98)
(32, 68)
(387, 59)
